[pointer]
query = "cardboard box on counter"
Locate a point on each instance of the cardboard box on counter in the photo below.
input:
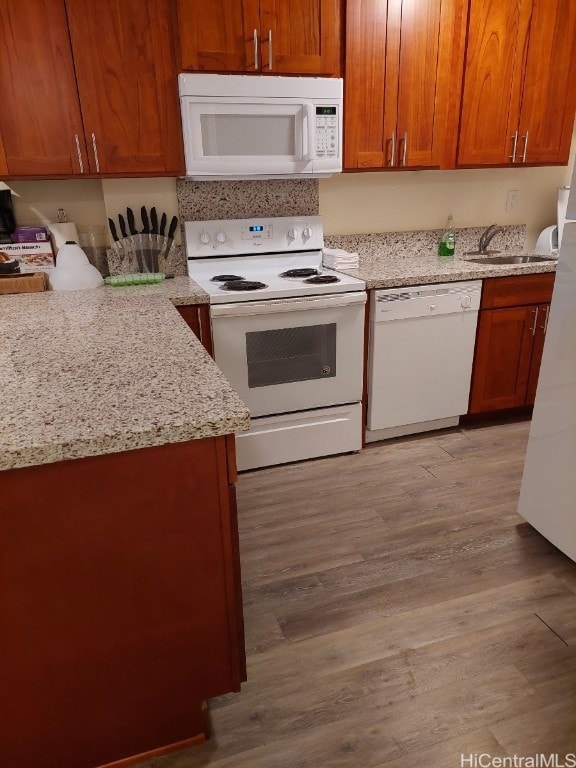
(33, 257)
(30, 235)
(27, 283)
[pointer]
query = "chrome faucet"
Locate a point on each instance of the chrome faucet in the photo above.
(487, 236)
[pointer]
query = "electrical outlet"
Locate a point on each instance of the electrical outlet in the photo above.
(512, 200)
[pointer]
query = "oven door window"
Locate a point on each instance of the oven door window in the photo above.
(286, 355)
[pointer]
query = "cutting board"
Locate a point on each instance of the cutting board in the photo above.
(23, 283)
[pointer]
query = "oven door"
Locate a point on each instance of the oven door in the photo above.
(289, 355)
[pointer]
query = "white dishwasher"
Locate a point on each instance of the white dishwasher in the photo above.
(420, 357)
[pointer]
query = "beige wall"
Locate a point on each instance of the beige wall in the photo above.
(349, 203)
(382, 202)
(36, 202)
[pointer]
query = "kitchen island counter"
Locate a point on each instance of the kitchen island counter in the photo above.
(87, 373)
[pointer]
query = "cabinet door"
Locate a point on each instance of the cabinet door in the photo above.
(548, 94)
(364, 140)
(3, 166)
(429, 79)
(537, 349)
(403, 82)
(198, 320)
(40, 120)
(497, 35)
(127, 81)
(502, 360)
(219, 37)
(300, 36)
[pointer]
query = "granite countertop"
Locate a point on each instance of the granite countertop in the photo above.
(181, 291)
(85, 373)
(391, 259)
(389, 271)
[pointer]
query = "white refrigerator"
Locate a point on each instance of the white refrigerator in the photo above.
(548, 493)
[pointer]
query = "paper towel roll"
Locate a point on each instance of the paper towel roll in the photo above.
(61, 232)
(563, 194)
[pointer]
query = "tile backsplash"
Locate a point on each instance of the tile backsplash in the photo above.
(409, 244)
(202, 200)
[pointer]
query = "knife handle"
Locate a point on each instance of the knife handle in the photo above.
(131, 221)
(122, 225)
(113, 231)
(153, 221)
(173, 225)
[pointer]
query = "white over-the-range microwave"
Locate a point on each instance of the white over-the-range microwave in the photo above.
(250, 126)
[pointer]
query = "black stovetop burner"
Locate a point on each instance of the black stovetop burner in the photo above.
(226, 278)
(301, 272)
(321, 279)
(243, 285)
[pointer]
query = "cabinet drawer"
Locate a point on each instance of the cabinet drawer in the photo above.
(517, 290)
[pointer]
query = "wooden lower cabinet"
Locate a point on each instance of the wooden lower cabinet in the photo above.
(510, 340)
(120, 603)
(198, 319)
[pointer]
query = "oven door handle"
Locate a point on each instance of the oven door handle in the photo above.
(287, 305)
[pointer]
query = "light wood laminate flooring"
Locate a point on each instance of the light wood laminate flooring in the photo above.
(398, 613)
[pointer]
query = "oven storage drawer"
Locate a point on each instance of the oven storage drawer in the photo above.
(296, 436)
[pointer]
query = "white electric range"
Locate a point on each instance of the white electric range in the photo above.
(287, 332)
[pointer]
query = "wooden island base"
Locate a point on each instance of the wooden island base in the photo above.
(120, 604)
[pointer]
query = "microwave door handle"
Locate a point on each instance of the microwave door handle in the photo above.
(308, 149)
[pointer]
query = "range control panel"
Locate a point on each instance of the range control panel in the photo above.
(326, 131)
(229, 237)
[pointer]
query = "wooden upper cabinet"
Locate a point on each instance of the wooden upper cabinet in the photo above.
(219, 37)
(264, 36)
(403, 82)
(40, 121)
(3, 166)
(518, 101)
(549, 92)
(364, 83)
(492, 81)
(127, 80)
(300, 36)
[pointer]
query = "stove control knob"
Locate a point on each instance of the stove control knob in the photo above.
(307, 232)
(221, 236)
(292, 233)
(204, 237)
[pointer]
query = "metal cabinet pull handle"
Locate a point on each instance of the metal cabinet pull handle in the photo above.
(78, 150)
(405, 147)
(393, 149)
(546, 313)
(95, 148)
(514, 147)
(255, 49)
(525, 140)
(270, 57)
(533, 329)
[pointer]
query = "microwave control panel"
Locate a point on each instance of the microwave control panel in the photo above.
(326, 131)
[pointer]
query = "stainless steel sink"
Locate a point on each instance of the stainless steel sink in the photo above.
(506, 259)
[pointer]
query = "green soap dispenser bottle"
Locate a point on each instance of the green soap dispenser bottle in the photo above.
(447, 244)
